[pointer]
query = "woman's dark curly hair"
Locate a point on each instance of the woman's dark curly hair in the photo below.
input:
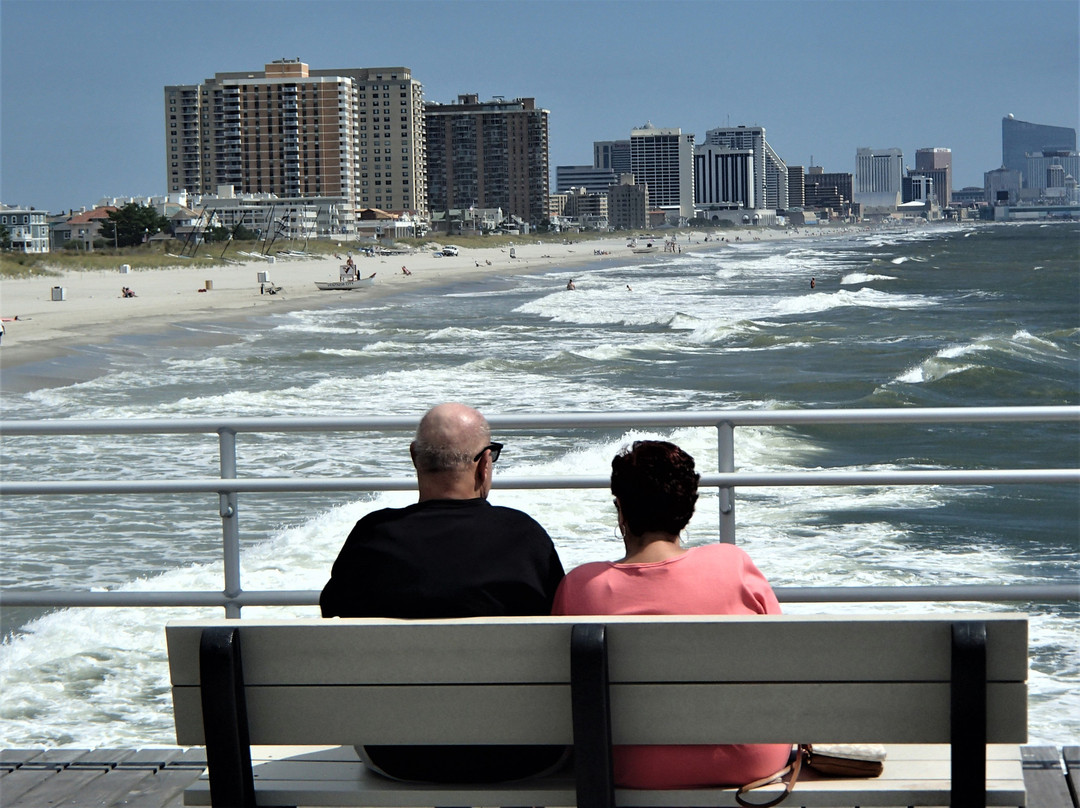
(656, 485)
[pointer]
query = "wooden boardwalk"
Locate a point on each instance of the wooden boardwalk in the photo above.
(156, 778)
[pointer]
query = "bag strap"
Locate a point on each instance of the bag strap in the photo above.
(794, 767)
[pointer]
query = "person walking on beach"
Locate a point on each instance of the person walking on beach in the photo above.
(451, 554)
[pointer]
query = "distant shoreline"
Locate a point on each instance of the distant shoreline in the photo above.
(54, 342)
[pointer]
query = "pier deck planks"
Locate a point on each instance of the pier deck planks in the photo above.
(124, 778)
(156, 778)
(1044, 777)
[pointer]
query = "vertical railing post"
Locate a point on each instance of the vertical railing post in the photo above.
(230, 526)
(725, 464)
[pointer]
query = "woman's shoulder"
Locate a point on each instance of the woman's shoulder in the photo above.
(589, 570)
(720, 550)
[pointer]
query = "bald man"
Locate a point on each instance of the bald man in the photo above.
(451, 554)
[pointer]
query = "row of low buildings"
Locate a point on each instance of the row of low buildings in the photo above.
(295, 152)
(192, 216)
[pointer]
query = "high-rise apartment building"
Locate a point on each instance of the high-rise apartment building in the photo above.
(491, 154)
(355, 134)
(879, 178)
(628, 204)
(770, 175)
(663, 159)
(1020, 138)
(937, 165)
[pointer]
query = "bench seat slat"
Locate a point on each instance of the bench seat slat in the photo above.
(776, 648)
(851, 713)
(336, 782)
(936, 768)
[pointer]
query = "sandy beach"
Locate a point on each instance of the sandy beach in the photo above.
(93, 310)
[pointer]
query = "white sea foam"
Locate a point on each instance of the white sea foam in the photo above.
(859, 298)
(863, 277)
(343, 352)
(204, 363)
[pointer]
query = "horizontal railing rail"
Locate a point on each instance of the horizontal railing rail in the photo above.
(554, 421)
(953, 593)
(228, 486)
(278, 485)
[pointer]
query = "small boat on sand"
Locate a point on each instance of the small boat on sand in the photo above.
(346, 285)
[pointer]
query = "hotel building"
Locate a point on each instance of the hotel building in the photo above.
(491, 154)
(594, 180)
(663, 159)
(937, 165)
(724, 178)
(879, 178)
(612, 154)
(1021, 138)
(769, 172)
(1048, 170)
(796, 186)
(354, 134)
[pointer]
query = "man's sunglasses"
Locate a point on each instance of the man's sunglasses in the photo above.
(495, 448)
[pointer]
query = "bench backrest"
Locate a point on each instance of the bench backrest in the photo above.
(673, 680)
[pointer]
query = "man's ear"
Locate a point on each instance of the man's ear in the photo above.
(483, 469)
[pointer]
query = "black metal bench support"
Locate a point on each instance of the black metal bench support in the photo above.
(225, 724)
(967, 715)
(592, 716)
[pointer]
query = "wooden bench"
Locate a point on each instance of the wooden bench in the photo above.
(947, 695)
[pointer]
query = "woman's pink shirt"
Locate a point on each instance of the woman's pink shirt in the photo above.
(713, 579)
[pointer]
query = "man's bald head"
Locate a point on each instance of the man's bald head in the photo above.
(448, 438)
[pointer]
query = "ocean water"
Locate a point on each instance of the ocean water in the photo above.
(933, 317)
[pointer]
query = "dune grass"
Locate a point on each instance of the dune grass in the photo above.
(161, 255)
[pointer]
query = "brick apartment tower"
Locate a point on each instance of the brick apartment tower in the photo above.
(491, 154)
(354, 133)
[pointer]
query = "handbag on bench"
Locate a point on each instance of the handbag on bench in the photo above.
(835, 760)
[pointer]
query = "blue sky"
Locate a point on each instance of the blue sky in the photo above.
(81, 109)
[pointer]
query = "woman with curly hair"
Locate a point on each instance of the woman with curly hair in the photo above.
(655, 487)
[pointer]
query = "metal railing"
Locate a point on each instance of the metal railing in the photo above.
(228, 486)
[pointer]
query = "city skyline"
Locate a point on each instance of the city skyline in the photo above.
(81, 82)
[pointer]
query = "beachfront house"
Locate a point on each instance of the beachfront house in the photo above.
(26, 227)
(389, 224)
